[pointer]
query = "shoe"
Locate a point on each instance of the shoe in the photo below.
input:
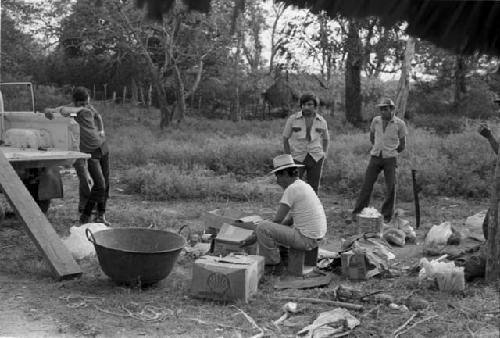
(387, 219)
(84, 219)
(100, 218)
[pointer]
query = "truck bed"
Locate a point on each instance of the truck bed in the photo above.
(31, 158)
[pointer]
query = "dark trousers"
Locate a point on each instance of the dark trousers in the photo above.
(376, 165)
(98, 167)
(312, 171)
(80, 166)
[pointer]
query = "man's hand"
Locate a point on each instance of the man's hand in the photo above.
(49, 113)
(101, 133)
(484, 131)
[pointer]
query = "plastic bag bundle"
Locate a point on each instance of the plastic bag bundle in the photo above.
(439, 234)
(448, 276)
(77, 242)
(370, 212)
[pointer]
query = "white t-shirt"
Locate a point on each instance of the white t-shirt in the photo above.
(306, 209)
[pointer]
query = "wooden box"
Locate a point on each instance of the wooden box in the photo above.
(231, 278)
(370, 225)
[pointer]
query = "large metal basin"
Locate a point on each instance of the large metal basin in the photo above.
(136, 256)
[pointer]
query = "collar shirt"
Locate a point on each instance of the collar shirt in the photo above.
(302, 141)
(90, 139)
(387, 141)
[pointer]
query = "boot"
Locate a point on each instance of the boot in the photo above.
(101, 218)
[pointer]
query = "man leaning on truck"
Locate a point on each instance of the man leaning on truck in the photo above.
(92, 141)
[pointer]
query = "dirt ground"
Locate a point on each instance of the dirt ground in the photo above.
(34, 305)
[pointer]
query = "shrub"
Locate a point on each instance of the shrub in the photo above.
(210, 159)
(167, 182)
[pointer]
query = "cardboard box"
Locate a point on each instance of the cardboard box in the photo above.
(370, 225)
(216, 218)
(233, 239)
(355, 266)
(231, 278)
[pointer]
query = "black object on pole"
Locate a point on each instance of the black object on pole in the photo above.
(416, 190)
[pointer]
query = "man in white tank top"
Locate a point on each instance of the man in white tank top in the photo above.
(300, 221)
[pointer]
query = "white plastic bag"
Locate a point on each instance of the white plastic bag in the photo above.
(439, 234)
(448, 276)
(77, 242)
(476, 221)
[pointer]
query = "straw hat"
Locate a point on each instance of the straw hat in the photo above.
(386, 102)
(281, 162)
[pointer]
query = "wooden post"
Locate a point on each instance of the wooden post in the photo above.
(124, 94)
(105, 92)
(150, 96)
(93, 91)
(493, 244)
(40, 230)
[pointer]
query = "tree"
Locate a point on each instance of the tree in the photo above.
(353, 65)
(20, 53)
(277, 41)
(404, 80)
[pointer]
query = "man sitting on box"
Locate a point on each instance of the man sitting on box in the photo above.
(300, 221)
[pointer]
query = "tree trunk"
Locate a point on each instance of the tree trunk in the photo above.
(353, 76)
(493, 244)
(150, 96)
(237, 111)
(404, 80)
(460, 70)
(133, 92)
(180, 109)
(124, 95)
(155, 79)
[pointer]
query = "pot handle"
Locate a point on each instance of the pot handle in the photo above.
(90, 236)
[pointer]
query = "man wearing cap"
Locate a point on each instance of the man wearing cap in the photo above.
(306, 138)
(300, 221)
(388, 139)
(486, 133)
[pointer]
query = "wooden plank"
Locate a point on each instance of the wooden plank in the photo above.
(17, 154)
(40, 230)
(303, 283)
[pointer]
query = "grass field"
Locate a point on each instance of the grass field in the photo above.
(168, 179)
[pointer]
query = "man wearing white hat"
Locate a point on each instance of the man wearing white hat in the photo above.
(300, 221)
(388, 139)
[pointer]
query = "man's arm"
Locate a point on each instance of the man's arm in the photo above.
(486, 133)
(281, 214)
(326, 142)
(287, 132)
(99, 123)
(63, 111)
(402, 144)
(286, 145)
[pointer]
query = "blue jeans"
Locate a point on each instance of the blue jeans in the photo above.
(375, 166)
(272, 235)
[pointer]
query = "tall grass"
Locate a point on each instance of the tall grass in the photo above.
(215, 158)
